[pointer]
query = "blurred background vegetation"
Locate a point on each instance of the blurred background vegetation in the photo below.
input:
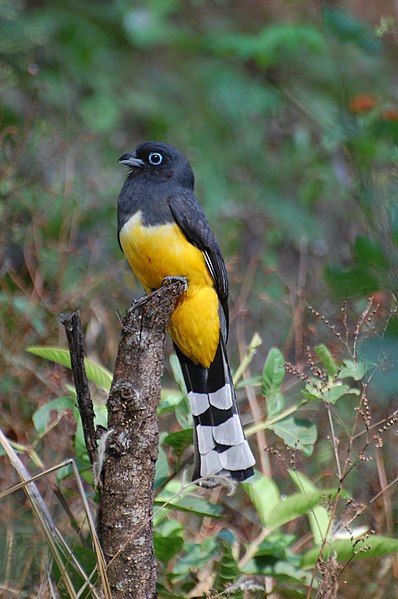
(288, 112)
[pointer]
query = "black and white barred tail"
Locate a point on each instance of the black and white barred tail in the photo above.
(221, 448)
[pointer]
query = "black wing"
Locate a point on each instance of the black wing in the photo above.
(189, 215)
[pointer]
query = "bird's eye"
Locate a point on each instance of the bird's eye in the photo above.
(155, 158)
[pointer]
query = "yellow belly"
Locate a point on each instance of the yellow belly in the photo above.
(156, 252)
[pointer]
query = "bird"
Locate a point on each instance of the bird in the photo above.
(164, 233)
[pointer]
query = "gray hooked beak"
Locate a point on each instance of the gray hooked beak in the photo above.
(131, 160)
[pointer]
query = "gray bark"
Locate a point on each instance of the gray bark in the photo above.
(129, 449)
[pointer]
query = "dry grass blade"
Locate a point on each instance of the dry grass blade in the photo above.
(40, 510)
(53, 536)
(101, 563)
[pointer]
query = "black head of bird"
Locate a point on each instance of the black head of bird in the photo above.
(157, 161)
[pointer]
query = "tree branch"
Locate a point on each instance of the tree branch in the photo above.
(74, 335)
(128, 451)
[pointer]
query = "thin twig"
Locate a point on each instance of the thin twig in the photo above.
(74, 335)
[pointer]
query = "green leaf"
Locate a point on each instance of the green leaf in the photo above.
(197, 556)
(312, 392)
(370, 252)
(176, 497)
(264, 495)
(357, 281)
(327, 360)
(183, 414)
(275, 558)
(329, 392)
(272, 379)
(167, 547)
(353, 370)
(297, 433)
(276, 545)
(345, 549)
(162, 466)
(182, 409)
(337, 391)
(169, 400)
(177, 372)
(227, 571)
(253, 381)
(168, 540)
(179, 440)
(274, 44)
(282, 570)
(95, 372)
(295, 506)
(348, 28)
(318, 516)
(41, 417)
(165, 594)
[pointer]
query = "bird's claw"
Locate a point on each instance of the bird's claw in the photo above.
(176, 279)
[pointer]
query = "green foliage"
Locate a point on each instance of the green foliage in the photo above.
(297, 433)
(264, 495)
(176, 496)
(318, 516)
(168, 540)
(347, 28)
(227, 572)
(273, 375)
(95, 372)
(362, 548)
(327, 360)
(274, 45)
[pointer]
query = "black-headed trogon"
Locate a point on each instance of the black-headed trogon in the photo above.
(164, 232)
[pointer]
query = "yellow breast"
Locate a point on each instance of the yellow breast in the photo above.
(160, 251)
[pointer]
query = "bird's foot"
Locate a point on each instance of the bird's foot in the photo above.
(176, 279)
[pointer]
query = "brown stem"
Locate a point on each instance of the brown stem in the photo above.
(128, 450)
(74, 335)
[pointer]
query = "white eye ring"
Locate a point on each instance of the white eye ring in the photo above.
(155, 158)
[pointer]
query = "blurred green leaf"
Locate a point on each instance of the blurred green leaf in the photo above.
(282, 570)
(95, 372)
(170, 398)
(325, 356)
(329, 392)
(348, 28)
(179, 440)
(196, 556)
(227, 571)
(168, 540)
(295, 506)
(318, 516)
(41, 417)
(274, 557)
(370, 252)
(353, 370)
(274, 44)
(337, 391)
(176, 497)
(167, 547)
(162, 466)
(352, 282)
(272, 379)
(264, 495)
(374, 546)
